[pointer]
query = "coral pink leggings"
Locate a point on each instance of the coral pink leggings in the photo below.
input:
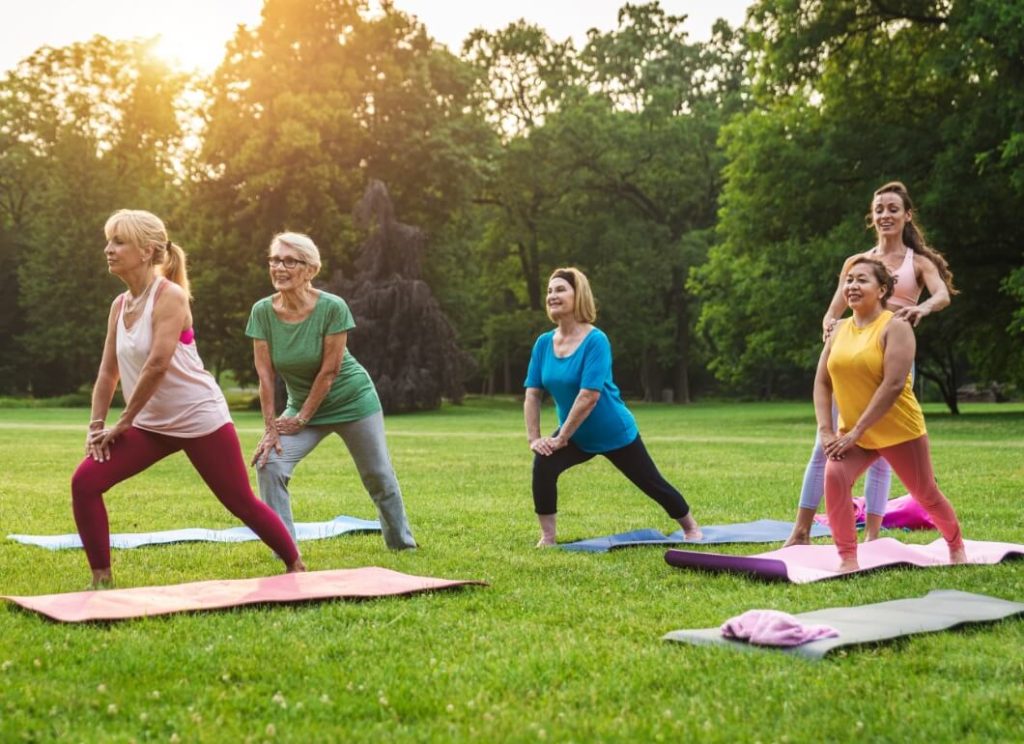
(217, 457)
(912, 462)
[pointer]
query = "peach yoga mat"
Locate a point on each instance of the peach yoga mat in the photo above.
(145, 601)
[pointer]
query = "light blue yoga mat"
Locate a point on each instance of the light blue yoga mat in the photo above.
(303, 531)
(761, 531)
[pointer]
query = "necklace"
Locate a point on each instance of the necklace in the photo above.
(134, 304)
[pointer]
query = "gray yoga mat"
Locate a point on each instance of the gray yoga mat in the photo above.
(761, 531)
(940, 609)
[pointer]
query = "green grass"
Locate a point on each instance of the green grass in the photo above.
(559, 647)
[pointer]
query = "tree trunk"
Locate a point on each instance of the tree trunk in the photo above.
(682, 376)
(946, 378)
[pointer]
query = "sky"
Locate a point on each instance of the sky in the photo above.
(194, 32)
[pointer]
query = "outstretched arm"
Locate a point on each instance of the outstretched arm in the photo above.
(837, 306)
(104, 387)
(938, 293)
(823, 396)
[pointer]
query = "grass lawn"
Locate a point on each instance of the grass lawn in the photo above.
(560, 646)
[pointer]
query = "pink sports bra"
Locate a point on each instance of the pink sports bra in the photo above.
(907, 291)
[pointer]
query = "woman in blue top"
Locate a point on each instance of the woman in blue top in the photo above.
(574, 364)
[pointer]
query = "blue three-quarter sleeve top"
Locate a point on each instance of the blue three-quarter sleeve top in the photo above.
(610, 425)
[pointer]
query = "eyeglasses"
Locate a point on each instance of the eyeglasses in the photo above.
(288, 262)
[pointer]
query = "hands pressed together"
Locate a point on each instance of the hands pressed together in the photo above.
(99, 438)
(271, 439)
(547, 445)
(836, 446)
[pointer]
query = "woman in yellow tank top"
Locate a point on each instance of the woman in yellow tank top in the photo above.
(865, 366)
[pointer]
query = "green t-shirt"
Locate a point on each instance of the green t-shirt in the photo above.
(297, 349)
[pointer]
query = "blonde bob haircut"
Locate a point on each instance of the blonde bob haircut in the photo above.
(144, 229)
(584, 308)
(301, 244)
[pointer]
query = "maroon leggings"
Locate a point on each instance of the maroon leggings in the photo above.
(217, 457)
(912, 462)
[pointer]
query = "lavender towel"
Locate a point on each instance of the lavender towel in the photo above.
(774, 628)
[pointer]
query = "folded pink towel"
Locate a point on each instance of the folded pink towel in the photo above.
(774, 628)
(900, 513)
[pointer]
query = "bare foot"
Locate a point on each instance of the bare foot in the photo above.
(798, 537)
(101, 579)
(297, 567)
(957, 556)
(691, 530)
(546, 542)
(801, 534)
(847, 565)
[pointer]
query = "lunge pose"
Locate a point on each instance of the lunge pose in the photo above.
(865, 368)
(914, 265)
(171, 402)
(574, 364)
(300, 333)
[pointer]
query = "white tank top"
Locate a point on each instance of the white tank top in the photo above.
(187, 402)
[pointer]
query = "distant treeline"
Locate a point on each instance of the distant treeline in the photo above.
(710, 190)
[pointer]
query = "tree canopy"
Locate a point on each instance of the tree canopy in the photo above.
(710, 189)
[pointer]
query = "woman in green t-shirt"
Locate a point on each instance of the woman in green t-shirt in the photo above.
(300, 333)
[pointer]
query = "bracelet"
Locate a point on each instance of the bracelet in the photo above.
(302, 421)
(101, 422)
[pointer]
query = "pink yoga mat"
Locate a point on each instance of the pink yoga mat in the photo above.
(900, 513)
(802, 564)
(144, 601)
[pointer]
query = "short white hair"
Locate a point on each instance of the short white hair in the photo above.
(301, 243)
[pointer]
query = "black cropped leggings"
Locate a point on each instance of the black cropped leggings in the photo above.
(633, 461)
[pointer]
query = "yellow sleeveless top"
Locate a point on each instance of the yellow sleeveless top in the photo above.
(855, 365)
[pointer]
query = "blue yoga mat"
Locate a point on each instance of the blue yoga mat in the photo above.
(303, 531)
(761, 531)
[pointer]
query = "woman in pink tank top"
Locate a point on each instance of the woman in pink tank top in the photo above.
(902, 249)
(172, 403)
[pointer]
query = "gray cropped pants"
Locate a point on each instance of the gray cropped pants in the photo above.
(365, 441)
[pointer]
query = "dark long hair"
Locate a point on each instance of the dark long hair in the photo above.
(913, 236)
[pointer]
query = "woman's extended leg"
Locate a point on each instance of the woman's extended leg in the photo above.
(840, 476)
(546, 469)
(912, 462)
(133, 452)
(369, 449)
(634, 461)
(218, 459)
(275, 474)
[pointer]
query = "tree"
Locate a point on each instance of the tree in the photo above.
(87, 129)
(850, 94)
(306, 107)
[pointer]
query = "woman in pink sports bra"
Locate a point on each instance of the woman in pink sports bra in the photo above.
(172, 403)
(902, 249)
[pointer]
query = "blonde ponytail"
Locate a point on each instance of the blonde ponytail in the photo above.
(174, 266)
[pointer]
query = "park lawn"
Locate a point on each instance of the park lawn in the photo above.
(560, 647)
